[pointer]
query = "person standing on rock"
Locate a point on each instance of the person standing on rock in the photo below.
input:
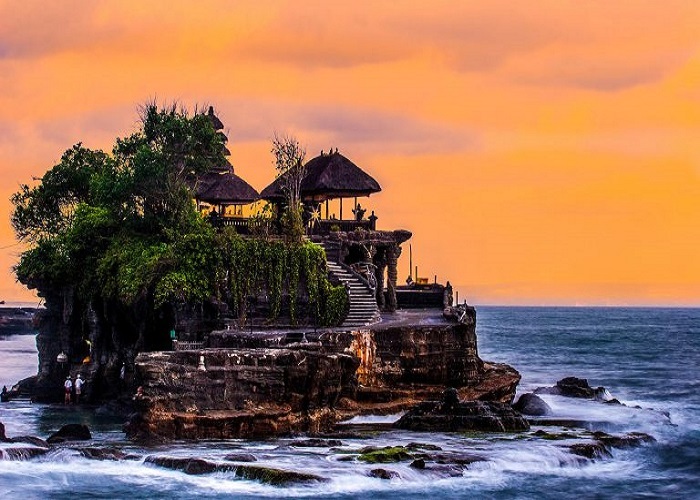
(67, 389)
(78, 388)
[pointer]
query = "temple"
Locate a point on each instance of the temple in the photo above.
(359, 254)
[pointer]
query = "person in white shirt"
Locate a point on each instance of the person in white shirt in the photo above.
(78, 388)
(68, 388)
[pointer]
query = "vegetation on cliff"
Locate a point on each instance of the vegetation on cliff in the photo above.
(120, 232)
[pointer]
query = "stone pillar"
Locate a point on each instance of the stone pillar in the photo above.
(380, 262)
(392, 255)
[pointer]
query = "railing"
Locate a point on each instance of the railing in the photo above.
(179, 345)
(363, 271)
(244, 225)
(326, 226)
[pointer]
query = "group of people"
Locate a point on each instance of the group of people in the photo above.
(71, 386)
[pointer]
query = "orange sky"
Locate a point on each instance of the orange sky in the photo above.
(542, 152)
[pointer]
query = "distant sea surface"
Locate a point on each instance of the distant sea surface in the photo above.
(645, 357)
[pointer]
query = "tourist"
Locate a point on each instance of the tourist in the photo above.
(67, 388)
(78, 388)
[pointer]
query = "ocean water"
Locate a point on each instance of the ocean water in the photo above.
(646, 358)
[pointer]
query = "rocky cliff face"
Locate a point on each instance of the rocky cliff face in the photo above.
(97, 339)
(269, 388)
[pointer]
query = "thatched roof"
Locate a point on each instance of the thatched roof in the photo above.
(225, 188)
(327, 177)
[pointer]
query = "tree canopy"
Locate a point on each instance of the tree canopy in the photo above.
(122, 227)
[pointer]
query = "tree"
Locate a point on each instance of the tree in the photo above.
(289, 163)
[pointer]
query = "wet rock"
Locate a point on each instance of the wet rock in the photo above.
(24, 453)
(33, 440)
(630, 440)
(531, 404)
(590, 450)
(383, 474)
(551, 436)
(70, 432)
(240, 457)
(602, 394)
(96, 453)
(481, 416)
(418, 463)
(422, 446)
(194, 466)
(461, 459)
(572, 387)
(275, 477)
(316, 443)
(2, 433)
(614, 402)
(389, 454)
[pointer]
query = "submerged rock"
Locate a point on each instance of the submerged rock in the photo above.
(590, 450)
(275, 477)
(486, 416)
(197, 466)
(24, 453)
(389, 454)
(574, 387)
(30, 440)
(532, 404)
(316, 443)
(240, 457)
(96, 453)
(604, 442)
(383, 474)
(70, 432)
(630, 440)
(194, 466)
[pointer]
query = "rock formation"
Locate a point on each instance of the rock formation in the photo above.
(275, 387)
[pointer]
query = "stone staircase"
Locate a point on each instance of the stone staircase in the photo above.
(363, 304)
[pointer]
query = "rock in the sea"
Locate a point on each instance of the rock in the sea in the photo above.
(194, 466)
(532, 404)
(572, 387)
(3, 438)
(389, 454)
(418, 463)
(275, 477)
(108, 453)
(383, 474)
(486, 416)
(592, 450)
(24, 453)
(240, 457)
(70, 432)
(316, 443)
(627, 441)
(33, 440)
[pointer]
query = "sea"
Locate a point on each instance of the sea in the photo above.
(647, 358)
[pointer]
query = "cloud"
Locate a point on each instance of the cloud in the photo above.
(370, 129)
(607, 69)
(36, 28)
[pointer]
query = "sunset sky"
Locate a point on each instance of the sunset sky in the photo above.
(542, 152)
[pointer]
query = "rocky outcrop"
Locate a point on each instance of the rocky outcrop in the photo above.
(481, 416)
(574, 387)
(308, 386)
(239, 393)
(531, 404)
(198, 466)
(70, 432)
